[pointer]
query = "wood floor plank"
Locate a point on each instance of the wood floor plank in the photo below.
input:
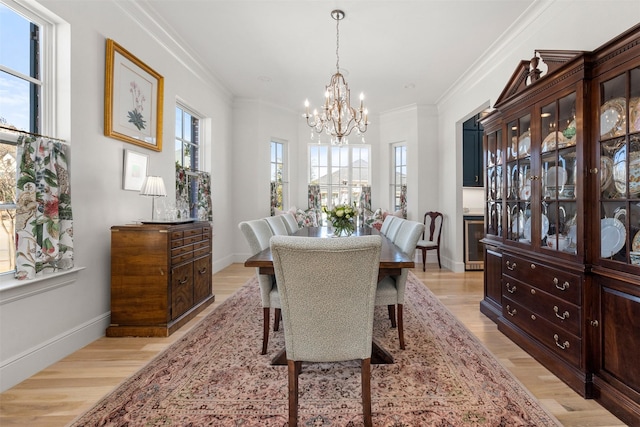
(65, 390)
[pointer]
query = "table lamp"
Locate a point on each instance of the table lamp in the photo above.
(153, 186)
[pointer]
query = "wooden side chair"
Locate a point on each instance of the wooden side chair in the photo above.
(257, 233)
(431, 236)
(327, 288)
(390, 290)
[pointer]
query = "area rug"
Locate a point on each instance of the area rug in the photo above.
(215, 376)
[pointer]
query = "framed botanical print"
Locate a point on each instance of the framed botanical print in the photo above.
(133, 97)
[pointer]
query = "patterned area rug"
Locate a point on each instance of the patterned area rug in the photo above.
(215, 376)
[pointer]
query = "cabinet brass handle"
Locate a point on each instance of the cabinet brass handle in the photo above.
(562, 287)
(204, 270)
(564, 345)
(533, 291)
(511, 312)
(511, 288)
(562, 316)
(183, 281)
(595, 323)
(593, 170)
(511, 266)
(533, 266)
(533, 317)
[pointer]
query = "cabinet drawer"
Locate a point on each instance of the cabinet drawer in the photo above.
(562, 284)
(178, 234)
(557, 339)
(192, 232)
(181, 290)
(561, 313)
(176, 243)
(181, 254)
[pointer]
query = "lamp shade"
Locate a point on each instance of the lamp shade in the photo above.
(153, 186)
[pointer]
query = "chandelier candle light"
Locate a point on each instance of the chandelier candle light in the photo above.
(338, 118)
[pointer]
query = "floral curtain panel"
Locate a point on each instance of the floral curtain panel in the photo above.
(199, 184)
(403, 201)
(314, 197)
(44, 221)
(274, 197)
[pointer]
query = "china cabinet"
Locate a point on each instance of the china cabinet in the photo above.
(160, 277)
(562, 219)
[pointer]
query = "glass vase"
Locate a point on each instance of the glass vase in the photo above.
(343, 228)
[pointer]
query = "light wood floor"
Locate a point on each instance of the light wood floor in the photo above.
(66, 389)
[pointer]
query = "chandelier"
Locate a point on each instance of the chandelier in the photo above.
(338, 118)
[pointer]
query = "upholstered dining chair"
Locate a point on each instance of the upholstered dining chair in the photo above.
(291, 222)
(431, 236)
(394, 227)
(391, 289)
(384, 229)
(277, 225)
(327, 288)
(258, 233)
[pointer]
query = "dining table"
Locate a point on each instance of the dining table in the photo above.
(392, 261)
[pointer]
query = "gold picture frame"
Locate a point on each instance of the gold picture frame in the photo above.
(133, 99)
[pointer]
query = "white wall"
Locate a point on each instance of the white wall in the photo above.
(43, 321)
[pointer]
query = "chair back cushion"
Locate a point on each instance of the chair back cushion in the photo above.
(394, 227)
(408, 236)
(277, 225)
(386, 223)
(257, 233)
(291, 222)
(327, 291)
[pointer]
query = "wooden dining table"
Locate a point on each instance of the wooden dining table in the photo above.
(392, 261)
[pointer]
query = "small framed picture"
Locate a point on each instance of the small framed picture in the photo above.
(134, 170)
(133, 97)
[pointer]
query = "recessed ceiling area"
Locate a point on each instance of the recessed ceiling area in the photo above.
(397, 52)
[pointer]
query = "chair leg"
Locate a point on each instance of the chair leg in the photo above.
(265, 329)
(439, 265)
(424, 259)
(392, 314)
(276, 319)
(366, 391)
(400, 327)
(294, 368)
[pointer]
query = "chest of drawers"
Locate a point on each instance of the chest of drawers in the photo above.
(160, 277)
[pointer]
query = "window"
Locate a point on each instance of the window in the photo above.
(341, 172)
(277, 176)
(399, 178)
(20, 100)
(187, 151)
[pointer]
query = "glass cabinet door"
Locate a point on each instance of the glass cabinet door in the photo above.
(494, 190)
(558, 164)
(619, 131)
(518, 188)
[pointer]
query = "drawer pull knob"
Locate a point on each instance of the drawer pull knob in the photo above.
(510, 288)
(533, 266)
(564, 345)
(595, 323)
(511, 266)
(204, 270)
(183, 281)
(533, 291)
(511, 312)
(533, 317)
(562, 287)
(562, 316)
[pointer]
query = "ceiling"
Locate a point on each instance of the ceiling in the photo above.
(397, 53)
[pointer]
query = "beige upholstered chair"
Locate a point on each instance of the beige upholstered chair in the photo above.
(277, 225)
(431, 236)
(394, 227)
(391, 288)
(291, 222)
(327, 288)
(384, 229)
(257, 233)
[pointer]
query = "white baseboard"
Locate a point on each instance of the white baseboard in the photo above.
(35, 359)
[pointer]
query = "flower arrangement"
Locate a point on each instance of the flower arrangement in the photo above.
(341, 218)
